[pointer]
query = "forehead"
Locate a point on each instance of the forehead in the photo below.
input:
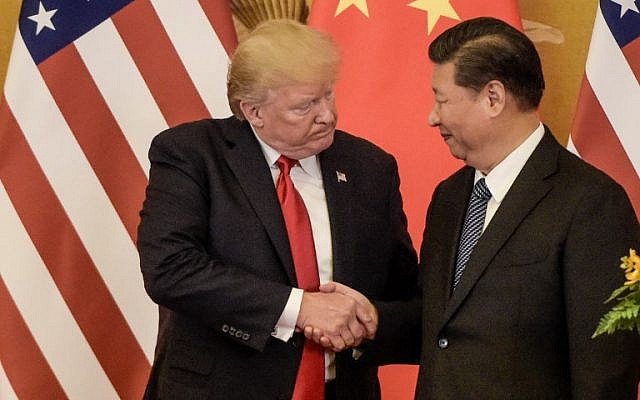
(296, 91)
(443, 76)
(444, 84)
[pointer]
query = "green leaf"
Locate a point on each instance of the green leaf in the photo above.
(624, 316)
(617, 293)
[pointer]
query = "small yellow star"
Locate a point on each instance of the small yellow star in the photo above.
(360, 5)
(435, 9)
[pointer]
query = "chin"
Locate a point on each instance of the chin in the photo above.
(457, 154)
(325, 143)
(322, 144)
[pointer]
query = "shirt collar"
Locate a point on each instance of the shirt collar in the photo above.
(502, 176)
(310, 165)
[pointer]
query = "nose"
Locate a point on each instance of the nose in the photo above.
(434, 118)
(326, 112)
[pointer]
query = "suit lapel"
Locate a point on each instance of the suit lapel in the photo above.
(525, 193)
(247, 162)
(339, 204)
(455, 205)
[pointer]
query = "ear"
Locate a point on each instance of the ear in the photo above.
(496, 97)
(251, 112)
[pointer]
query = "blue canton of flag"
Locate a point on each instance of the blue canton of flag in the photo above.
(48, 26)
(623, 19)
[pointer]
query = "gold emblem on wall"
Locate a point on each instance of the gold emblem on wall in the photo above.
(250, 13)
(539, 32)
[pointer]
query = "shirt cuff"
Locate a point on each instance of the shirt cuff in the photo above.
(286, 325)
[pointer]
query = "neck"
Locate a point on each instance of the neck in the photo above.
(510, 133)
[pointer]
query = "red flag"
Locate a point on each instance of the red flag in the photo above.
(384, 94)
(605, 128)
(89, 84)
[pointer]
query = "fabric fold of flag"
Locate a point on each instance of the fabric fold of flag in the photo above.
(88, 86)
(605, 126)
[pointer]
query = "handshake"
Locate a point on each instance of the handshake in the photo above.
(337, 317)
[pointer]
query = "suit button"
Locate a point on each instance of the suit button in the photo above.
(225, 328)
(232, 331)
(443, 343)
(239, 334)
(246, 336)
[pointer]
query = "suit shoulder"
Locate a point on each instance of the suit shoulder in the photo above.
(361, 148)
(582, 173)
(196, 131)
(206, 136)
(456, 179)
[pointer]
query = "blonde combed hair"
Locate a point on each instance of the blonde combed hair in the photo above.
(278, 53)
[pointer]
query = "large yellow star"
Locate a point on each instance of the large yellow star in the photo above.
(435, 9)
(360, 5)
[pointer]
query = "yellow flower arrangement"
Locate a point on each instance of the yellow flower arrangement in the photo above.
(625, 315)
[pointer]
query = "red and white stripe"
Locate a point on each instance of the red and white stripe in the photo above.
(605, 128)
(74, 135)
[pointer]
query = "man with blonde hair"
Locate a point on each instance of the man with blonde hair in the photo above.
(245, 217)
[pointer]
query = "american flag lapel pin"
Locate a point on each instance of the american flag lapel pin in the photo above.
(341, 176)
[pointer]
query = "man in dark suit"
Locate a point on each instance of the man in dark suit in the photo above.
(522, 245)
(218, 247)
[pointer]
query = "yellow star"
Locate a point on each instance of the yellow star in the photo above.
(360, 5)
(435, 9)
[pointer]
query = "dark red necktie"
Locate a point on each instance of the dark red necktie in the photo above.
(310, 379)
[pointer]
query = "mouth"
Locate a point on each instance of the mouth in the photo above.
(445, 136)
(325, 132)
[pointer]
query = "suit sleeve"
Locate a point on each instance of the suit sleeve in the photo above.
(179, 270)
(603, 229)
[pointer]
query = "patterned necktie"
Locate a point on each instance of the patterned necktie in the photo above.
(310, 378)
(472, 229)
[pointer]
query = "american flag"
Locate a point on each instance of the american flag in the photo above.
(606, 127)
(89, 84)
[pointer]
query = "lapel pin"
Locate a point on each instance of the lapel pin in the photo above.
(341, 176)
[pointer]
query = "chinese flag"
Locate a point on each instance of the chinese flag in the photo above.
(384, 94)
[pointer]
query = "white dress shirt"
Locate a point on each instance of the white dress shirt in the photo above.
(500, 179)
(307, 179)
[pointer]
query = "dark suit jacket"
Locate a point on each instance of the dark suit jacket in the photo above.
(519, 324)
(214, 252)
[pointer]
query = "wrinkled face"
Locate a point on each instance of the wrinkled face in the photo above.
(461, 115)
(298, 120)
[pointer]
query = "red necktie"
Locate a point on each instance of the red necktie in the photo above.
(310, 379)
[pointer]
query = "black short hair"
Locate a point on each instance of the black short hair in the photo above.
(485, 49)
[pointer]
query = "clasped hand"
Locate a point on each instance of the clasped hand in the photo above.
(337, 317)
